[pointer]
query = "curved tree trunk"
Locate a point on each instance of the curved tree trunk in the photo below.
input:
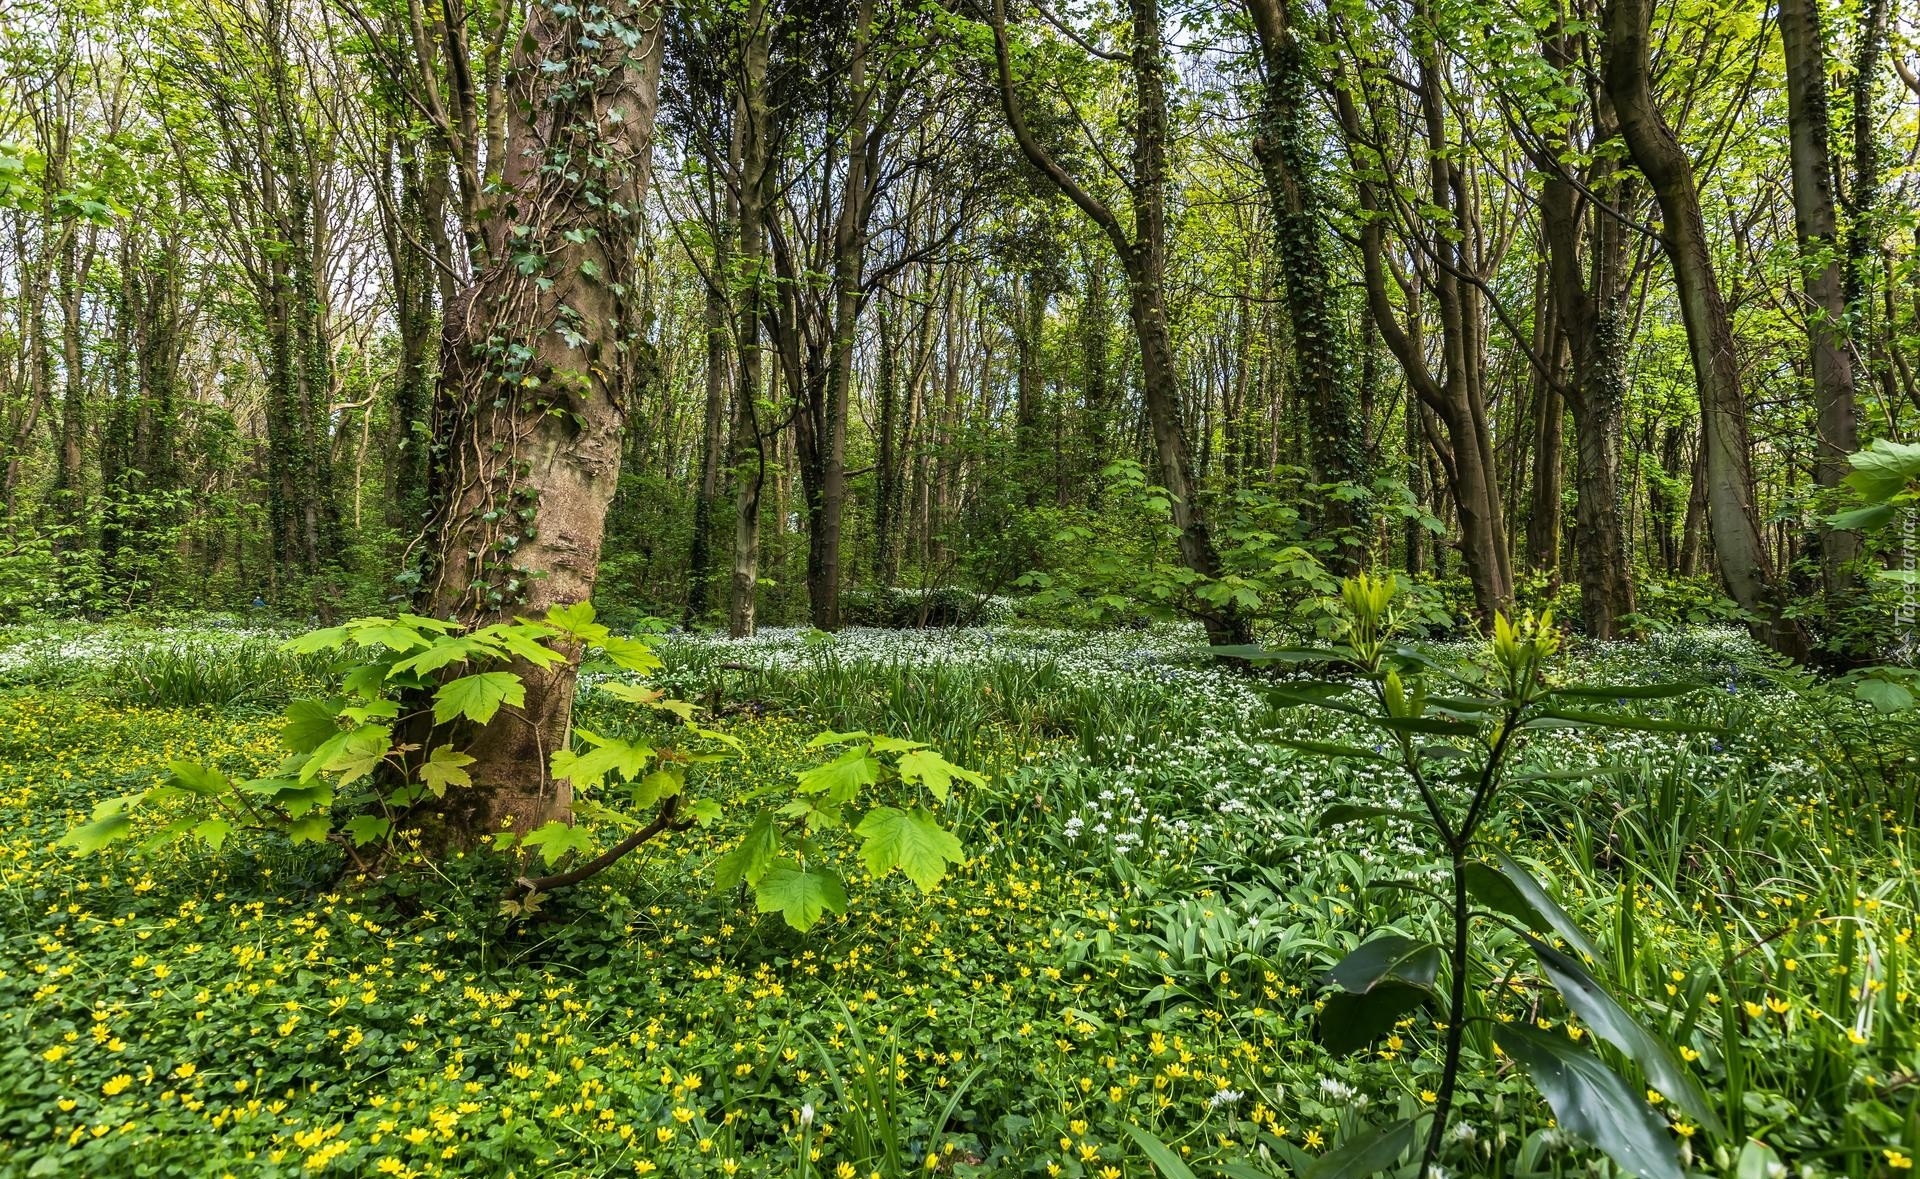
(1728, 463)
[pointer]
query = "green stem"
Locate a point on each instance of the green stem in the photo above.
(1456, 1017)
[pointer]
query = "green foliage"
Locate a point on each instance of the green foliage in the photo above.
(1456, 727)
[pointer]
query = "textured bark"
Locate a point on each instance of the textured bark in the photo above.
(1823, 277)
(536, 381)
(754, 132)
(1739, 550)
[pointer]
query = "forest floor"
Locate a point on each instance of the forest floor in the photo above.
(1134, 940)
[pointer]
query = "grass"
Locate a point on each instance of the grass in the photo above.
(1134, 942)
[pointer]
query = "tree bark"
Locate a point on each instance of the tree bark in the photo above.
(540, 360)
(1824, 282)
(1739, 549)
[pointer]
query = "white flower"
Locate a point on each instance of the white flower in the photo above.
(1224, 1097)
(806, 1114)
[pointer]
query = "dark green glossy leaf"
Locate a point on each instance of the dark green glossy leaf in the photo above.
(1367, 1152)
(1544, 905)
(1590, 1100)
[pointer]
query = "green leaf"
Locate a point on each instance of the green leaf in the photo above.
(331, 638)
(1590, 1100)
(359, 752)
(631, 654)
(311, 723)
(213, 832)
(909, 840)
(445, 767)
(1330, 749)
(1625, 691)
(523, 641)
(705, 811)
(661, 783)
(555, 839)
(1159, 1153)
(748, 861)
(1883, 469)
(109, 823)
(1865, 519)
(1365, 1153)
(799, 895)
(934, 772)
(1545, 908)
(442, 653)
(1353, 812)
(311, 829)
(1601, 1012)
(832, 738)
(1582, 717)
(1886, 696)
(842, 778)
(477, 697)
(364, 829)
(1377, 983)
(198, 779)
(576, 620)
(589, 770)
(378, 632)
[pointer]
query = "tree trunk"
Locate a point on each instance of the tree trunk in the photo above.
(1823, 277)
(1322, 354)
(538, 368)
(1738, 548)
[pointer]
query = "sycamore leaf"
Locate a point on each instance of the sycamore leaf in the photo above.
(311, 829)
(198, 779)
(555, 839)
(936, 773)
(577, 620)
(109, 823)
(631, 654)
(446, 767)
(705, 812)
(589, 769)
(477, 697)
(378, 632)
(442, 653)
(364, 829)
(799, 895)
(661, 783)
(748, 861)
(359, 752)
(842, 777)
(522, 640)
(330, 639)
(213, 832)
(910, 841)
(310, 724)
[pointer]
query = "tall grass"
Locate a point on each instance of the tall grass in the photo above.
(254, 673)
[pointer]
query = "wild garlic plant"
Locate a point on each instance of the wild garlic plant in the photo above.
(1455, 730)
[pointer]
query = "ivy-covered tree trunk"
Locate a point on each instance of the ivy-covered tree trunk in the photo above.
(1322, 353)
(540, 360)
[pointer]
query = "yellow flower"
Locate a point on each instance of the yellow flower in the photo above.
(1896, 1160)
(1313, 1140)
(1429, 1096)
(116, 1085)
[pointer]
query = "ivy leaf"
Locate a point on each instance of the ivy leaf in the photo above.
(555, 839)
(477, 697)
(748, 861)
(909, 840)
(842, 778)
(800, 896)
(934, 772)
(445, 767)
